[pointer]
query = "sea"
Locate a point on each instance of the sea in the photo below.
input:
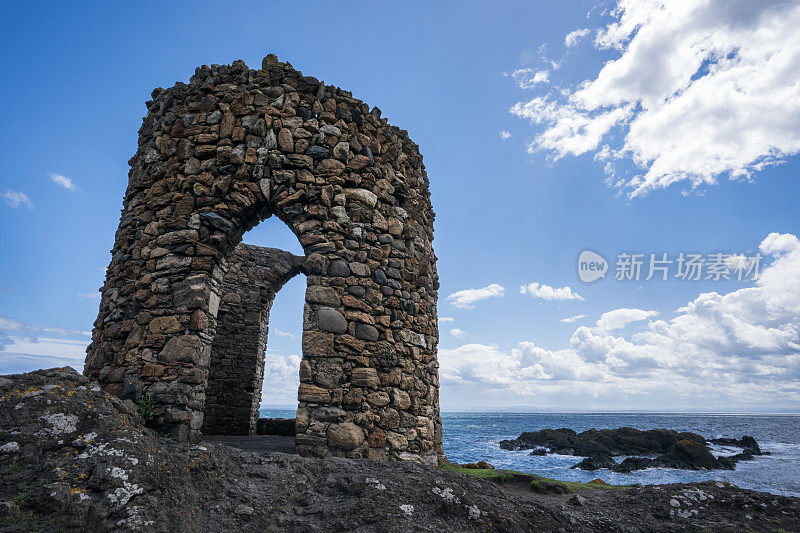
(475, 436)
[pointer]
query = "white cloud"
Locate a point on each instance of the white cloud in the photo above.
(286, 334)
(459, 333)
(281, 379)
(571, 319)
(20, 353)
(528, 78)
(15, 199)
(619, 318)
(700, 89)
(465, 298)
(62, 181)
(505, 135)
(92, 295)
(546, 292)
(720, 351)
(13, 332)
(446, 319)
(575, 36)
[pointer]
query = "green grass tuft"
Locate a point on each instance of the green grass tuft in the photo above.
(538, 484)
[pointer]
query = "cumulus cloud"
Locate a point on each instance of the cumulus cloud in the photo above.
(281, 379)
(698, 90)
(465, 299)
(575, 36)
(62, 181)
(737, 349)
(505, 135)
(459, 333)
(446, 319)
(571, 319)
(285, 334)
(546, 292)
(528, 78)
(619, 318)
(16, 199)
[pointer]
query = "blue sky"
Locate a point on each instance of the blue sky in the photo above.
(511, 116)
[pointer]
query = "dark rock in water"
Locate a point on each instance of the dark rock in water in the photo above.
(729, 462)
(629, 464)
(672, 449)
(622, 441)
(746, 442)
(276, 426)
(596, 462)
(688, 455)
(74, 458)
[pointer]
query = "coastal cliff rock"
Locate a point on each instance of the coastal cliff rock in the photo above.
(74, 458)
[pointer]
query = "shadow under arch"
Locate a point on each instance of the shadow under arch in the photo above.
(217, 156)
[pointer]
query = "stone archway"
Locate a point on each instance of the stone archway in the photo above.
(216, 156)
(236, 368)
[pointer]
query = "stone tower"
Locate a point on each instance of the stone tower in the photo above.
(185, 306)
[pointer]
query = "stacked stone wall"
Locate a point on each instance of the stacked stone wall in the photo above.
(216, 156)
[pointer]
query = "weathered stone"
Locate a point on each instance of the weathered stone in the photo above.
(362, 195)
(317, 294)
(318, 152)
(359, 162)
(400, 399)
(182, 349)
(285, 140)
(396, 441)
(331, 130)
(345, 436)
(366, 332)
(164, 325)
(317, 344)
(330, 167)
(331, 320)
(341, 150)
(313, 394)
(339, 268)
(214, 118)
(365, 377)
(378, 399)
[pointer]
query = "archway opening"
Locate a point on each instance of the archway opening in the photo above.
(284, 342)
(254, 275)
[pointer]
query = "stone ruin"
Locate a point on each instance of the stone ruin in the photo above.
(185, 306)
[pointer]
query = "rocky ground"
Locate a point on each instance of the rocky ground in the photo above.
(669, 449)
(73, 458)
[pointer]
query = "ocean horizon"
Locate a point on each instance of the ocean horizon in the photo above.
(471, 436)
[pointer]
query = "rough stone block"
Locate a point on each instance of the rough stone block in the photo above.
(345, 436)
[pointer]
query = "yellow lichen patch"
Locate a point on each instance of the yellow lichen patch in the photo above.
(19, 393)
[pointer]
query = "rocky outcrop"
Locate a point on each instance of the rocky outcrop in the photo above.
(74, 458)
(682, 450)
